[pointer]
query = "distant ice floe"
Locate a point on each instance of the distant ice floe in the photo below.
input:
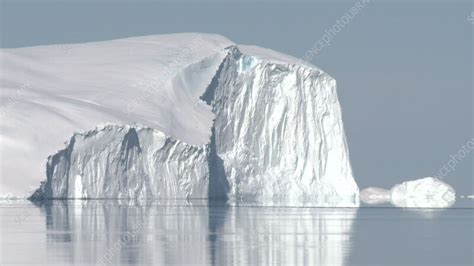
(374, 195)
(428, 192)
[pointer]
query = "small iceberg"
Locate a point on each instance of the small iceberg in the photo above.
(428, 192)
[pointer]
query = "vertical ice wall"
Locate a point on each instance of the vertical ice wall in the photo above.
(126, 162)
(278, 132)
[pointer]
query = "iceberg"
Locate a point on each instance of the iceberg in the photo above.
(186, 116)
(428, 192)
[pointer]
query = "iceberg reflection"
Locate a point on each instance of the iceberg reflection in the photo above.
(195, 232)
(286, 236)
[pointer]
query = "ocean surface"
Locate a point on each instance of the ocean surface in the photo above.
(115, 232)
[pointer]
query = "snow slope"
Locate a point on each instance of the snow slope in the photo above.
(277, 134)
(49, 92)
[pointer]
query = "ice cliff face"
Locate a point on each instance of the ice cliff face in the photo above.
(235, 121)
(278, 131)
(126, 162)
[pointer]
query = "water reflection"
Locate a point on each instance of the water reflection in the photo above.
(292, 236)
(132, 233)
(194, 232)
(396, 236)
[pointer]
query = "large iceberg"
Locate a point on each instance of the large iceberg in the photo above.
(189, 115)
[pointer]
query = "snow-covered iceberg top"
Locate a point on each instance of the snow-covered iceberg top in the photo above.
(249, 122)
(428, 192)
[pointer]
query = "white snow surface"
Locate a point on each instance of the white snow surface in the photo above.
(248, 122)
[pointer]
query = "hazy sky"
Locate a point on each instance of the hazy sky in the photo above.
(404, 68)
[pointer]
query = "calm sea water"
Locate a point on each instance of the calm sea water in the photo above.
(113, 232)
